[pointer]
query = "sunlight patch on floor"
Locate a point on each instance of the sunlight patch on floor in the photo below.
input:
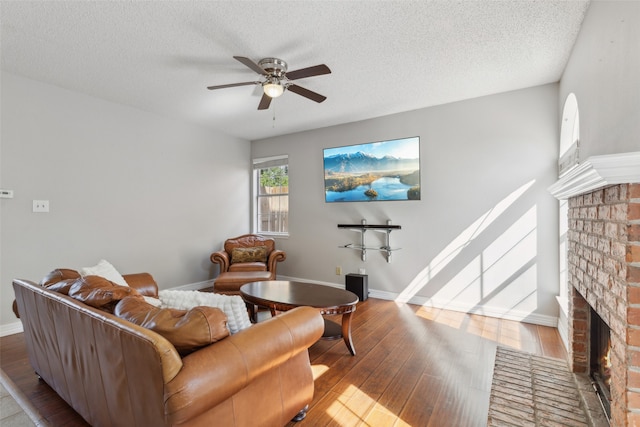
(509, 333)
(380, 416)
(353, 407)
(318, 370)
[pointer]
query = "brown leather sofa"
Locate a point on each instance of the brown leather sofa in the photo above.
(116, 373)
(244, 259)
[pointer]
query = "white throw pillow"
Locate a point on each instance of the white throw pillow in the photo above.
(106, 270)
(232, 305)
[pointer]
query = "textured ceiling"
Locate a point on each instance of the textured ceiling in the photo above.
(386, 56)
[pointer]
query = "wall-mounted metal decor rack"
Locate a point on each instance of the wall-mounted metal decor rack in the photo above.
(362, 228)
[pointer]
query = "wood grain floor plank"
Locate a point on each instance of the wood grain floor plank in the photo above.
(415, 366)
(551, 343)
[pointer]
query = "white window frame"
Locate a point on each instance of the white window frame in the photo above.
(265, 163)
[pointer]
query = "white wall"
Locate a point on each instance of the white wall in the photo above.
(483, 237)
(603, 72)
(145, 192)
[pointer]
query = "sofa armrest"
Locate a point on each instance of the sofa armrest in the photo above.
(222, 258)
(275, 257)
(143, 283)
(214, 373)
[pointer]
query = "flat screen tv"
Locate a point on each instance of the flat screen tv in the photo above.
(375, 171)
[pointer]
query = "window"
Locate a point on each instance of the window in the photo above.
(569, 136)
(271, 195)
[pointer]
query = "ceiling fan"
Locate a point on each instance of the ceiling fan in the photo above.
(277, 79)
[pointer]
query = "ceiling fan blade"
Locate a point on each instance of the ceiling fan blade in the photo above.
(264, 102)
(306, 93)
(232, 85)
(316, 70)
(249, 63)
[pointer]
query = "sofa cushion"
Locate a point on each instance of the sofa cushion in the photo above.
(106, 270)
(63, 286)
(187, 330)
(254, 254)
(58, 275)
(248, 266)
(100, 293)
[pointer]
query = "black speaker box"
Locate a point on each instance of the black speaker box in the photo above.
(358, 284)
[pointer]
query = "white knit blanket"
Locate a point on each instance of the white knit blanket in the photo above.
(232, 305)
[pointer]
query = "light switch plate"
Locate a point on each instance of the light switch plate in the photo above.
(6, 194)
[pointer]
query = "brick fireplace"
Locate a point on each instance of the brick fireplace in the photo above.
(604, 275)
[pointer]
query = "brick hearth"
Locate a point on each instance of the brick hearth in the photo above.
(604, 273)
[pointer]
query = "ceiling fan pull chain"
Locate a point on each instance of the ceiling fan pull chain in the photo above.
(273, 122)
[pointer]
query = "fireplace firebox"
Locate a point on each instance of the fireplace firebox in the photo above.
(600, 360)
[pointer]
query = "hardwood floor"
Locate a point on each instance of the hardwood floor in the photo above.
(414, 366)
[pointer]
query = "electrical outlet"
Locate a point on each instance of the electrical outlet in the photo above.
(40, 206)
(338, 270)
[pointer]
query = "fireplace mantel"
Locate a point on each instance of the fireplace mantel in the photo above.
(597, 172)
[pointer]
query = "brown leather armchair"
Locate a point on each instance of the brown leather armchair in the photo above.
(244, 259)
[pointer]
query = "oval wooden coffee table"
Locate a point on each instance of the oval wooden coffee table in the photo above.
(283, 295)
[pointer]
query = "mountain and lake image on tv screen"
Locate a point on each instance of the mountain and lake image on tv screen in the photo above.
(374, 171)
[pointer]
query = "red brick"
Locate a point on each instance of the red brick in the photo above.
(633, 233)
(618, 327)
(634, 358)
(633, 295)
(633, 420)
(634, 191)
(588, 199)
(619, 212)
(579, 347)
(633, 253)
(634, 211)
(633, 400)
(633, 338)
(597, 197)
(611, 229)
(622, 273)
(573, 213)
(633, 316)
(580, 325)
(618, 249)
(584, 213)
(624, 192)
(621, 308)
(611, 194)
(633, 274)
(604, 245)
(633, 379)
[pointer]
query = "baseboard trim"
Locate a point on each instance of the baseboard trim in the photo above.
(193, 286)
(498, 312)
(501, 313)
(11, 328)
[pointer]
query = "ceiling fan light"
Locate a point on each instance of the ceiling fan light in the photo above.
(273, 90)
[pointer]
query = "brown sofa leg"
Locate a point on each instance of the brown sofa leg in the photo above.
(301, 415)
